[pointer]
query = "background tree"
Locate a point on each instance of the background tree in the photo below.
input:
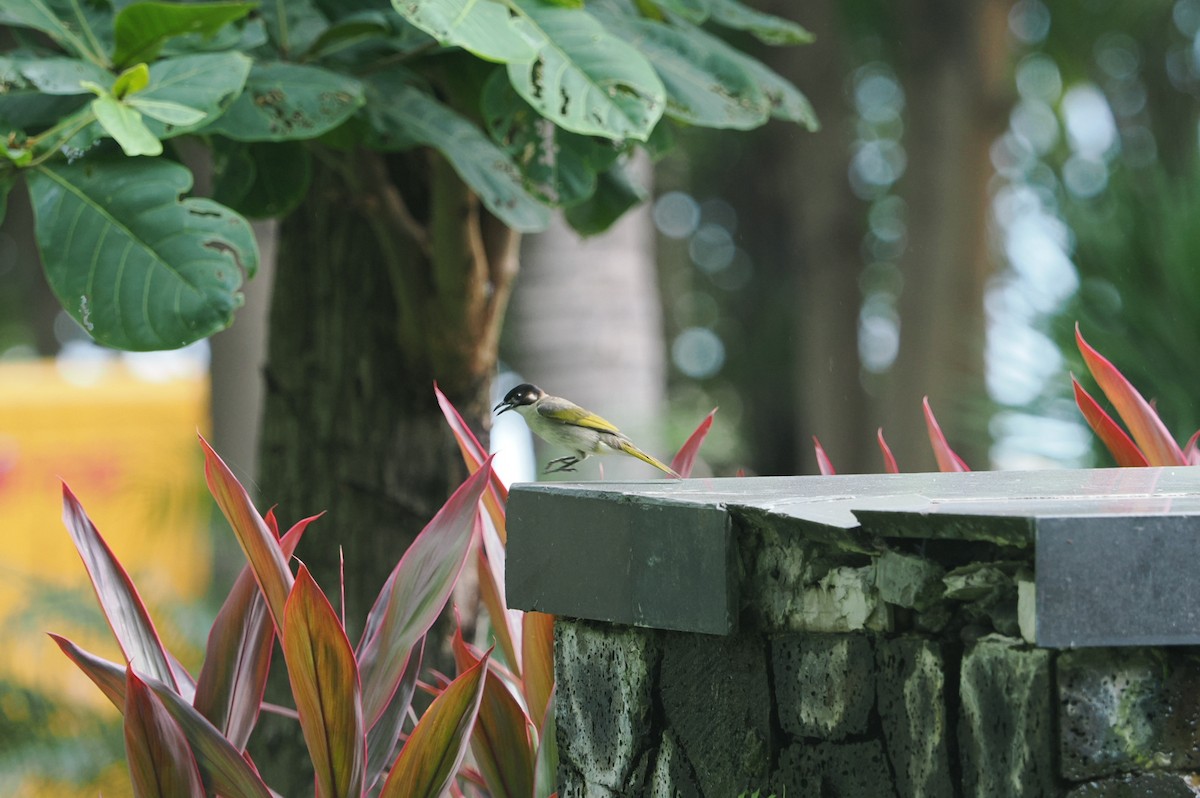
(405, 148)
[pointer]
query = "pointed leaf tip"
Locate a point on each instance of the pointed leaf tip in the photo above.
(947, 459)
(889, 461)
(1124, 451)
(823, 462)
(685, 459)
(1146, 428)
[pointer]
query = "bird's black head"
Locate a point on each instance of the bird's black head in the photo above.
(523, 394)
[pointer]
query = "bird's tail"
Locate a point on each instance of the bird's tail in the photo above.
(633, 451)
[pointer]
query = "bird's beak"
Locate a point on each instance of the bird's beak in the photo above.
(506, 407)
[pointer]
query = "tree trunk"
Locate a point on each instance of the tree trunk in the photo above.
(952, 66)
(390, 276)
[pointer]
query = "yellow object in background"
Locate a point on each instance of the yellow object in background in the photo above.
(127, 447)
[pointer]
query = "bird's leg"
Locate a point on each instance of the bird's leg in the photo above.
(566, 464)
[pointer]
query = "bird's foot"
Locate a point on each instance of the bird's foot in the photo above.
(564, 464)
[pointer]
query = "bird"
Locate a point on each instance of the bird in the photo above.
(566, 424)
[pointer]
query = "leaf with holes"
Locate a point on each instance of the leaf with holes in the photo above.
(289, 101)
(136, 265)
(482, 27)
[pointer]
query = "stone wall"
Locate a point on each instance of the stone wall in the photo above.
(656, 713)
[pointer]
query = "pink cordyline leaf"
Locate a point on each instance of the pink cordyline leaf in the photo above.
(324, 677)
(889, 462)
(947, 460)
(1120, 446)
(545, 767)
(685, 458)
(1144, 425)
(223, 768)
(416, 591)
(383, 740)
(505, 622)
(823, 463)
(258, 543)
(161, 764)
(537, 676)
(474, 455)
(435, 749)
(1191, 452)
(237, 659)
(119, 599)
(500, 742)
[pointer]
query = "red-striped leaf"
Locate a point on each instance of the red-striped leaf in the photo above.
(1191, 452)
(474, 455)
(435, 749)
(416, 591)
(506, 623)
(889, 461)
(685, 458)
(258, 543)
(1143, 423)
(537, 657)
(1119, 445)
(545, 767)
(947, 460)
(119, 599)
(222, 767)
(823, 463)
(324, 679)
(500, 742)
(383, 740)
(161, 764)
(238, 656)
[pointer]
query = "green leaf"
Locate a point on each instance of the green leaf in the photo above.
(545, 764)
(478, 161)
(206, 82)
(692, 10)
(38, 15)
(289, 101)
(7, 181)
(614, 195)
(348, 32)
(416, 591)
(161, 763)
(787, 102)
(125, 125)
(584, 78)
(224, 770)
(119, 600)
(560, 167)
(169, 113)
(481, 27)
(141, 29)
(324, 678)
(134, 264)
(383, 739)
(261, 180)
(131, 81)
(293, 25)
(705, 86)
(767, 28)
(429, 760)
(62, 76)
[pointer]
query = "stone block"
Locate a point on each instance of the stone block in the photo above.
(835, 770)
(911, 687)
(824, 684)
(1122, 710)
(604, 706)
(1006, 730)
(907, 580)
(716, 701)
(1142, 785)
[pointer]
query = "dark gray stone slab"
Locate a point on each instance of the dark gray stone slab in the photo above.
(1126, 580)
(643, 563)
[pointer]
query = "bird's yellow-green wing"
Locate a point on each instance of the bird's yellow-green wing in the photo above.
(565, 412)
